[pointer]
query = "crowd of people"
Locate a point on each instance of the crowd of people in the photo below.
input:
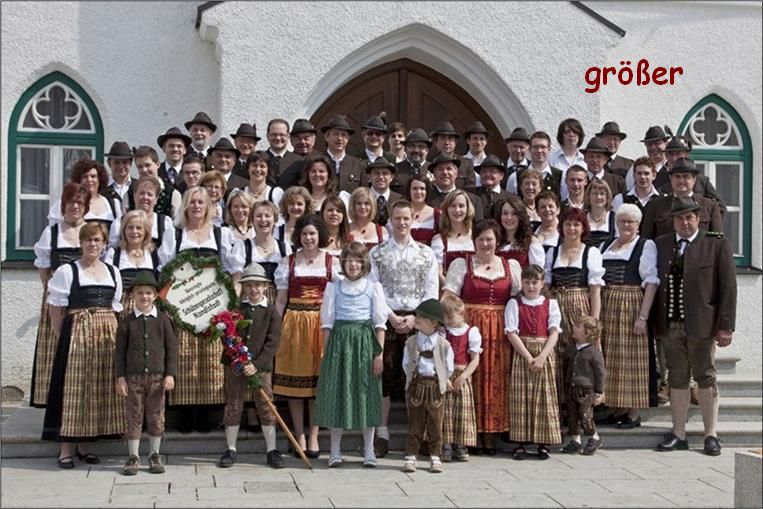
(499, 300)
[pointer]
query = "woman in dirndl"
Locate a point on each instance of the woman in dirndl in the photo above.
(486, 282)
(295, 203)
(334, 214)
(426, 219)
(147, 191)
(84, 296)
(264, 248)
(517, 242)
(363, 229)
(530, 186)
(455, 238)
(548, 207)
(58, 244)
(601, 217)
(238, 215)
(258, 187)
(631, 277)
(301, 279)
(199, 384)
(353, 320)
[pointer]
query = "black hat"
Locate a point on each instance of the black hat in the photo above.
(490, 161)
(685, 204)
(417, 135)
(302, 125)
(476, 128)
(146, 278)
(377, 122)
(678, 143)
(655, 133)
(224, 144)
(519, 134)
(246, 130)
(173, 132)
(596, 146)
(442, 158)
(381, 162)
(683, 165)
(119, 150)
(338, 122)
(612, 128)
(445, 128)
(201, 118)
(431, 308)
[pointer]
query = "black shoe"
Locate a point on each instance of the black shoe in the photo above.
(592, 446)
(712, 446)
(610, 420)
(228, 459)
(543, 452)
(673, 443)
(628, 423)
(89, 458)
(185, 427)
(572, 447)
(313, 455)
(381, 447)
(476, 451)
(275, 459)
(66, 462)
(202, 426)
(489, 451)
(519, 453)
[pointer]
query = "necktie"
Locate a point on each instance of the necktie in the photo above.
(682, 244)
(381, 210)
(416, 169)
(171, 174)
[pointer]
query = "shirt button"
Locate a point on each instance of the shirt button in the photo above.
(145, 370)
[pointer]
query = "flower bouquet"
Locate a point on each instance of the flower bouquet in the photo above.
(226, 326)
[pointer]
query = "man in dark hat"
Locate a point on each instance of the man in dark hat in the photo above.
(611, 135)
(373, 132)
(518, 145)
(657, 220)
(380, 175)
(245, 138)
(350, 169)
(491, 173)
(175, 145)
(201, 129)
(417, 145)
(280, 157)
(302, 140)
(596, 156)
(444, 137)
(655, 140)
(119, 160)
(445, 171)
(224, 155)
(680, 147)
(696, 305)
(540, 148)
(476, 139)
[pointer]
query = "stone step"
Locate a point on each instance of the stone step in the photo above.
(746, 409)
(740, 385)
(726, 364)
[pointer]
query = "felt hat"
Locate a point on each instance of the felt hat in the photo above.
(518, 134)
(381, 162)
(377, 122)
(685, 204)
(683, 165)
(246, 130)
(417, 135)
(338, 122)
(254, 272)
(476, 128)
(119, 150)
(655, 133)
(612, 128)
(490, 161)
(224, 144)
(173, 132)
(445, 128)
(302, 125)
(443, 158)
(431, 308)
(596, 146)
(201, 118)
(678, 143)
(146, 278)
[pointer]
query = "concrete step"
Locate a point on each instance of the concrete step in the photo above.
(726, 364)
(738, 385)
(744, 409)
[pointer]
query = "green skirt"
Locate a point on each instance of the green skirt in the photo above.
(349, 395)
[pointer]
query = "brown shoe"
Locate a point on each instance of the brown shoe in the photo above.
(132, 466)
(155, 465)
(663, 394)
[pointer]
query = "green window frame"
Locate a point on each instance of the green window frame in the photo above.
(722, 149)
(53, 123)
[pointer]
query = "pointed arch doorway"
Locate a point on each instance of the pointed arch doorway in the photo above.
(411, 93)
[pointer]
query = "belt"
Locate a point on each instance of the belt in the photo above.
(427, 354)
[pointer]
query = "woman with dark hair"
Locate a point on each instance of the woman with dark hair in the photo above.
(58, 244)
(455, 238)
(295, 203)
(395, 137)
(601, 217)
(486, 282)
(301, 279)
(530, 187)
(258, 187)
(84, 296)
(426, 219)
(334, 214)
(319, 179)
(570, 136)
(362, 213)
(548, 207)
(517, 241)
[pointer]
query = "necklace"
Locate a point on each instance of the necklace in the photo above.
(242, 233)
(309, 260)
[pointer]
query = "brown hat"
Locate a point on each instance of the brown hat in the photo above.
(377, 123)
(119, 150)
(445, 128)
(612, 128)
(381, 162)
(417, 135)
(683, 165)
(678, 143)
(490, 161)
(476, 128)
(338, 122)
(302, 125)
(173, 132)
(685, 204)
(596, 146)
(201, 118)
(247, 131)
(443, 158)
(655, 133)
(224, 144)
(518, 134)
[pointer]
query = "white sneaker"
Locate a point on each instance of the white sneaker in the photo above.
(410, 464)
(335, 461)
(435, 465)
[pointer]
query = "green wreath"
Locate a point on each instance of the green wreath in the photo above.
(167, 278)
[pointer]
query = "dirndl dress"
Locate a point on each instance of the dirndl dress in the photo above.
(446, 251)
(424, 232)
(129, 272)
(459, 423)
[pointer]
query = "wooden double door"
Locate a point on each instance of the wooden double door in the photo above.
(411, 93)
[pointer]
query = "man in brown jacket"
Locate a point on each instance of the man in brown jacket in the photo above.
(697, 300)
(350, 170)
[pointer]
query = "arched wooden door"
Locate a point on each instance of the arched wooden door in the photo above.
(411, 93)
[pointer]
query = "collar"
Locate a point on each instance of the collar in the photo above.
(413, 163)
(497, 188)
(690, 239)
(457, 331)
(533, 302)
(138, 313)
(373, 156)
(427, 339)
(652, 192)
(401, 246)
(443, 191)
(476, 158)
(278, 154)
(599, 175)
(581, 346)
(546, 169)
(511, 163)
(337, 159)
(262, 303)
(376, 194)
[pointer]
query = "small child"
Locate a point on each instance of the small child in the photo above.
(459, 427)
(532, 324)
(584, 375)
(145, 362)
(428, 365)
(262, 339)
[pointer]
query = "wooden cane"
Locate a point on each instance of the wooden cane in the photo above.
(284, 427)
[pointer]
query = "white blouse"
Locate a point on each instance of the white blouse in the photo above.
(232, 253)
(328, 307)
(42, 247)
(60, 285)
(595, 268)
(275, 199)
(124, 261)
(166, 251)
(274, 255)
(536, 253)
(454, 281)
(233, 233)
(475, 338)
(463, 243)
(551, 241)
(303, 269)
(511, 314)
(647, 265)
(604, 225)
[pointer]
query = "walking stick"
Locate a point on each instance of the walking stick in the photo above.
(284, 427)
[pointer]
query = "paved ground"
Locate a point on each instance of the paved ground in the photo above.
(611, 478)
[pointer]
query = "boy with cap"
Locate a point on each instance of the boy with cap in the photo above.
(146, 360)
(262, 339)
(428, 365)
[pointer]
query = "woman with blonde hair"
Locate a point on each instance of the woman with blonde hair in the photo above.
(216, 185)
(147, 190)
(238, 214)
(455, 238)
(362, 213)
(601, 217)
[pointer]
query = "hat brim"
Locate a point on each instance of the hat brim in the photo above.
(622, 136)
(479, 168)
(234, 136)
(469, 133)
(526, 140)
(253, 279)
(659, 138)
(213, 150)
(696, 208)
(164, 137)
(392, 168)
(596, 151)
(424, 314)
(427, 142)
(444, 133)
(327, 128)
(375, 128)
(211, 126)
(302, 131)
